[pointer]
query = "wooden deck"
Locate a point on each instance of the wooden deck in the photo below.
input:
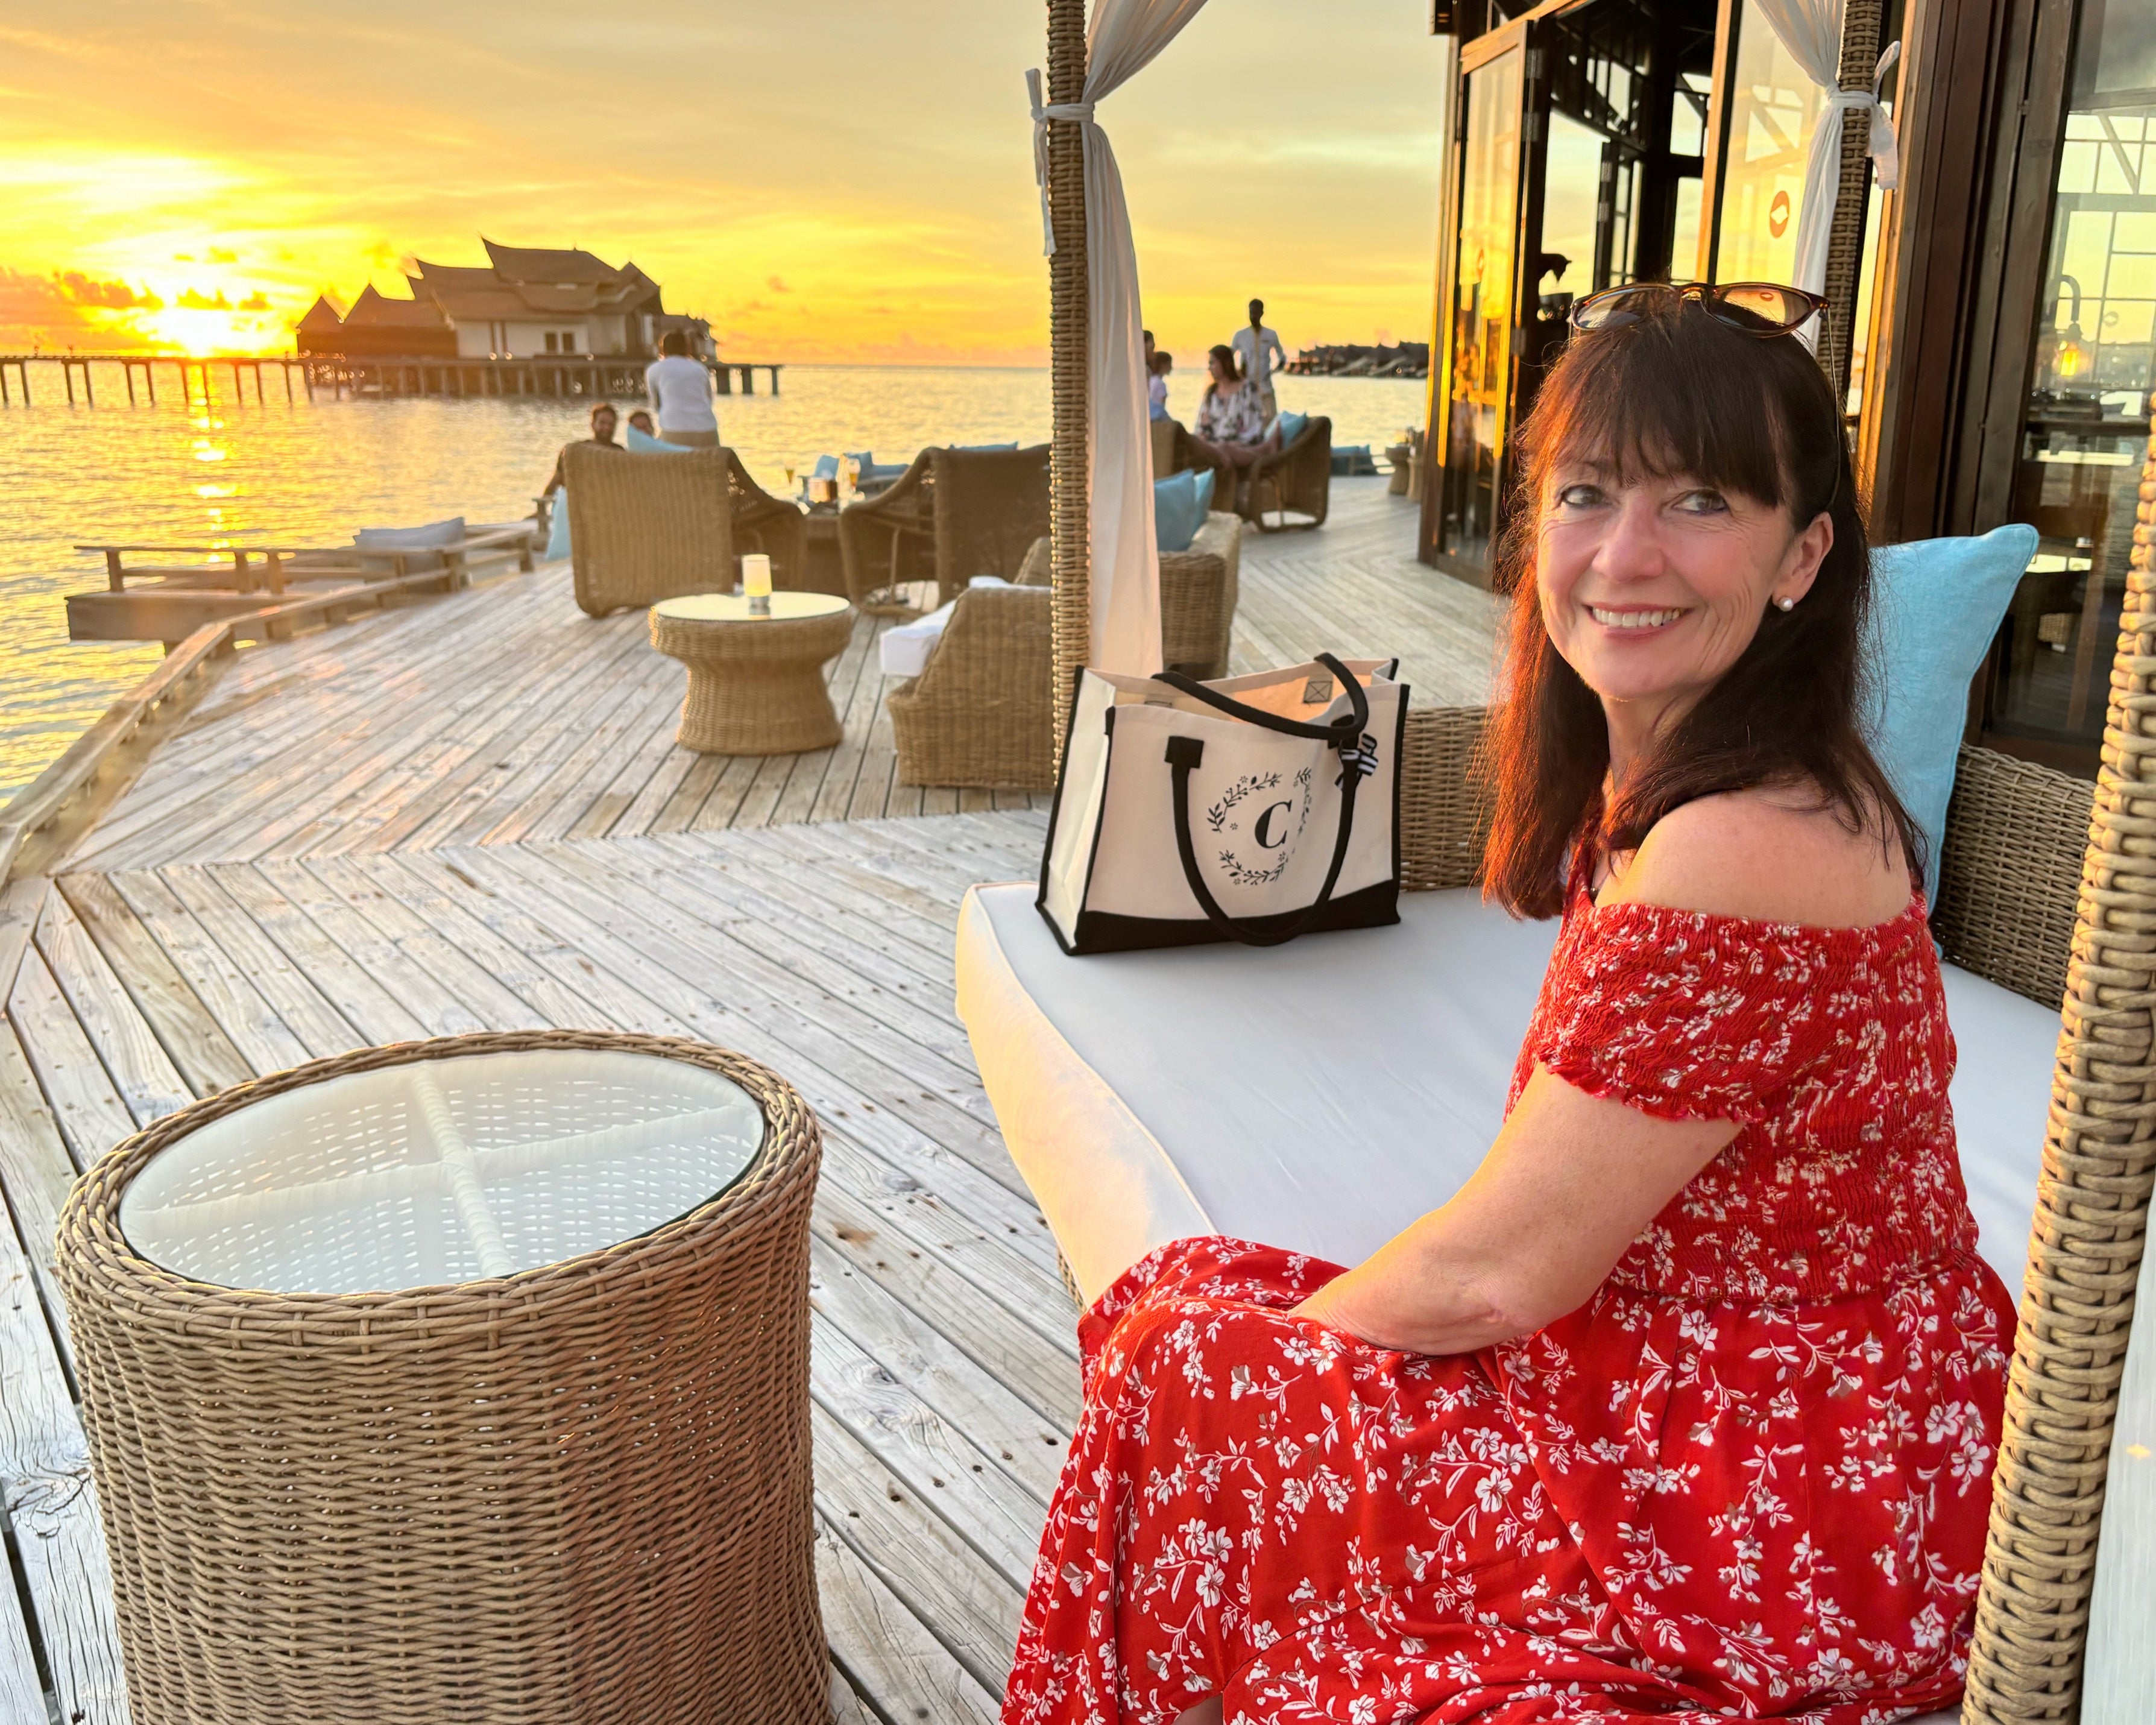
(470, 815)
(504, 715)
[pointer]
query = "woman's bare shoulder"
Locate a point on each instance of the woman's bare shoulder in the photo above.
(1770, 854)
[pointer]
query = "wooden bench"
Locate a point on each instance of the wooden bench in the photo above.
(169, 601)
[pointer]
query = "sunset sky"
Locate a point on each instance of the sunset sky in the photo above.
(823, 182)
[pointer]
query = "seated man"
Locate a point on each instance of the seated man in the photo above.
(604, 419)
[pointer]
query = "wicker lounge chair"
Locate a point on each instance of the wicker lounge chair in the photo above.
(981, 714)
(768, 524)
(643, 528)
(1295, 480)
(955, 514)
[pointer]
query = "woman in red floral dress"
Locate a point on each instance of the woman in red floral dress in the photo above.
(1685, 1404)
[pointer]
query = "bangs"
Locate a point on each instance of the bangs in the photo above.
(1670, 395)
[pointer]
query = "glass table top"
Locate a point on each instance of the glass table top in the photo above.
(442, 1171)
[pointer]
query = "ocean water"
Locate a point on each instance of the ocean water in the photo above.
(230, 472)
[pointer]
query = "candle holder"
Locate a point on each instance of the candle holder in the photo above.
(756, 583)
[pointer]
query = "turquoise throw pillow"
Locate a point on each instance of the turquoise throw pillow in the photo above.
(637, 444)
(1290, 427)
(1204, 495)
(1177, 513)
(1936, 606)
(557, 528)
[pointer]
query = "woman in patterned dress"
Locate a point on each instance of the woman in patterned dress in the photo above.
(1231, 424)
(1685, 1404)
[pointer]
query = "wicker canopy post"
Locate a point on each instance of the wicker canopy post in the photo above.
(2091, 1223)
(1844, 248)
(1071, 609)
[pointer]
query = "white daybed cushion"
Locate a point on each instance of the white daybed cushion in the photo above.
(1322, 1094)
(903, 650)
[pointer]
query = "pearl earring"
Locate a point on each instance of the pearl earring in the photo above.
(1786, 603)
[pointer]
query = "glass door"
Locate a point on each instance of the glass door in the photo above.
(2086, 427)
(1481, 328)
(1579, 134)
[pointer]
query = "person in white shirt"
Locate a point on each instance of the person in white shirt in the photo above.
(1259, 351)
(681, 391)
(1157, 385)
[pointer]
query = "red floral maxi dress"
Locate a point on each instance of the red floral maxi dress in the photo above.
(1750, 1476)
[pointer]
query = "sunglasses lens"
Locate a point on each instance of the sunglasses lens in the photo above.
(1755, 304)
(1619, 305)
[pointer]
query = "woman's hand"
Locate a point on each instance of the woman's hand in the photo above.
(1571, 1181)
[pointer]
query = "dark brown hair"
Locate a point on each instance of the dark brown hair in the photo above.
(1678, 392)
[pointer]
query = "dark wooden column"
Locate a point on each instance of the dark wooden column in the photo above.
(1963, 256)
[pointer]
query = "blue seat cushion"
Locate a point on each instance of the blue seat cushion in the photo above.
(1936, 606)
(1179, 503)
(639, 444)
(1290, 427)
(557, 526)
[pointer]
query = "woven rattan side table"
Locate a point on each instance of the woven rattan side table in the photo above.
(559, 1472)
(756, 683)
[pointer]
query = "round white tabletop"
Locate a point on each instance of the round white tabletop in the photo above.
(728, 608)
(442, 1171)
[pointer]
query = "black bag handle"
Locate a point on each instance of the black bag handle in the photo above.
(1185, 753)
(1349, 725)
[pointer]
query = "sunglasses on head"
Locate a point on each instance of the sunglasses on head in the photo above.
(1755, 308)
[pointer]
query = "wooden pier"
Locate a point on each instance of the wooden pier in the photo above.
(470, 813)
(199, 377)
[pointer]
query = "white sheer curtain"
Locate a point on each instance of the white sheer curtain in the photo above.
(1120, 41)
(1811, 31)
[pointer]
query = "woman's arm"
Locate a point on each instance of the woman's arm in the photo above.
(1571, 1182)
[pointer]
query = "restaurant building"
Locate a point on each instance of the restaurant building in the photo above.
(1993, 311)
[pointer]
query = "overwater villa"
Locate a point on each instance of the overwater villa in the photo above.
(523, 302)
(578, 1137)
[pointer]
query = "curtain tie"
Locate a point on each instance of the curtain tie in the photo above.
(1882, 147)
(1041, 116)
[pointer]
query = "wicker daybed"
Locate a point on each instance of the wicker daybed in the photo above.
(978, 715)
(647, 527)
(953, 515)
(2015, 840)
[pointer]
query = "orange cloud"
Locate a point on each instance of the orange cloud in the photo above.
(68, 308)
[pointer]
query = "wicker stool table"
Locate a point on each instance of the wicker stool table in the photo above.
(461, 1380)
(756, 683)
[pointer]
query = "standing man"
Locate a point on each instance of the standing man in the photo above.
(1259, 351)
(681, 391)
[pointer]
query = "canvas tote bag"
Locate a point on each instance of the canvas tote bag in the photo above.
(1252, 808)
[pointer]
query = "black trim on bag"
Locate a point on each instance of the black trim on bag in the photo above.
(1376, 905)
(1351, 724)
(1055, 805)
(1399, 743)
(1071, 949)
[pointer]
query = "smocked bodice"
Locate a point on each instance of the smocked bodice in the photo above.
(1828, 1046)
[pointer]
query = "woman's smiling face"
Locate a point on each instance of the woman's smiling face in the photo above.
(1652, 586)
